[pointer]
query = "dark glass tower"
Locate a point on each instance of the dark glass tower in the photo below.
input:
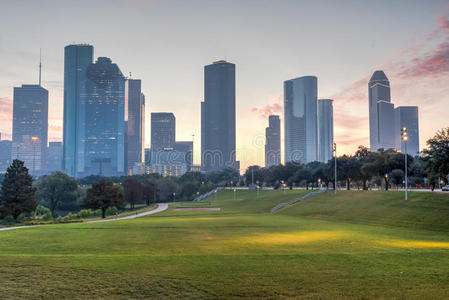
(325, 129)
(76, 60)
(103, 142)
(218, 117)
(273, 142)
(135, 118)
(163, 130)
(30, 127)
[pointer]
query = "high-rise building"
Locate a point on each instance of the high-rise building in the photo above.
(135, 118)
(101, 150)
(407, 116)
(218, 117)
(76, 60)
(30, 126)
(273, 142)
(379, 90)
(5, 154)
(167, 162)
(325, 129)
(300, 119)
(163, 131)
(54, 154)
(187, 148)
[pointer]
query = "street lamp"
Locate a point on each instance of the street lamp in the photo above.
(174, 196)
(257, 188)
(404, 138)
(234, 194)
(386, 181)
(334, 150)
(319, 183)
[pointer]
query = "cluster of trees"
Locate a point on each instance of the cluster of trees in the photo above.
(363, 169)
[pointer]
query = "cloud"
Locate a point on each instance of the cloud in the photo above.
(275, 108)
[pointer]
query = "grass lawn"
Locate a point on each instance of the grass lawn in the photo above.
(353, 245)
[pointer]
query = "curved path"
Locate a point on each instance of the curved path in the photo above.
(160, 207)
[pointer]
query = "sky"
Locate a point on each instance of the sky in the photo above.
(167, 43)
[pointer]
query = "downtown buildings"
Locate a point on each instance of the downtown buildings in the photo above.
(273, 142)
(218, 117)
(385, 122)
(325, 129)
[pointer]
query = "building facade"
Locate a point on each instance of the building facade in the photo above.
(5, 155)
(163, 131)
(218, 117)
(379, 90)
(407, 116)
(273, 142)
(30, 127)
(76, 60)
(325, 129)
(386, 125)
(101, 149)
(54, 154)
(135, 120)
(167, 162)
(187, 148)
(300, 119)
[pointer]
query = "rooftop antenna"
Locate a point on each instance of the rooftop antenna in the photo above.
(40, 65)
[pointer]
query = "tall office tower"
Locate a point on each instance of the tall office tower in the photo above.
(300, 115)
(5, 154)
(76, 60)
(30, 126)
(273, 142)
(218, 117)
(187, 148)
(379, 98)
(54, 154)
(135, 118)
(407, 116)
(101, 150)
(325, 129)
(163, 130)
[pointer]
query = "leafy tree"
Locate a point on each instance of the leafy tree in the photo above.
(188, 190)
(437, 155)
(17, 192)
(102, 195)
(397, 176)
(133, 191)
(150, 191)
(55, 189)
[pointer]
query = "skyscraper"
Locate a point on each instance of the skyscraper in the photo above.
(187, 148)
(407, 116)
(381, 121)
(325, 129)
(5, 154)
(101, 149)
(163, 131)
(300, 115)
(30, 126)
(135, 118)
(218, 117)
(54, 154)
(76, 60)
(273, 142)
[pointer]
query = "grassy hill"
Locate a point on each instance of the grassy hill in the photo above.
(354, 245)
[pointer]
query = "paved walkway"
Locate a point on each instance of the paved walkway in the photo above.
(160, 207)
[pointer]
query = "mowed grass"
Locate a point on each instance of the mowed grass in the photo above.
(353, 245)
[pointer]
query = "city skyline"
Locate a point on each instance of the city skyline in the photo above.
(414, 84)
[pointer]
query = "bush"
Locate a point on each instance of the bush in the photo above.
(8, 220)
(111, 211)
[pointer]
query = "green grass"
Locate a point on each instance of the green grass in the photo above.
(353, 245)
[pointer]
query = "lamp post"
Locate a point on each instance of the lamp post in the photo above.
(257, 188)
(404, 137)
(319, 183)
(334, 150)
(174, 196)
(234, 194)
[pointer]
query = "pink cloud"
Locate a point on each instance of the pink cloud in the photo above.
(275, 108)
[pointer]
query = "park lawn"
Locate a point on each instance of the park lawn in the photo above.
(345, 246)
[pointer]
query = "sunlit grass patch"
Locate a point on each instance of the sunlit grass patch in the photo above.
(300, 237)
(415, 244)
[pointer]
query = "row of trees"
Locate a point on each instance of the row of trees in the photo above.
(363, 169)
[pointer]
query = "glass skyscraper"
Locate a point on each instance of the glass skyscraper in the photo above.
(30, 127)
(325, 129)
(102, 143)
(300, 115)
(163, 131)
(381, 113)
(273, 142)
(135, 120)
(218, 117)
(407, 116)
(76, 60)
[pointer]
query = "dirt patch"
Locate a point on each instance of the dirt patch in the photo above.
(196, 208)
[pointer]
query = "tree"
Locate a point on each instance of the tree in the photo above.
(17, 193)
(103, 194)
(150, 192)
(55, 189)
(437, 155)
(133, 191)
(397, 176)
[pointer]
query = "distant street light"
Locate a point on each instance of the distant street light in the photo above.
(404, 137)
(234, 194)
(334, 150)
(174, 196)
